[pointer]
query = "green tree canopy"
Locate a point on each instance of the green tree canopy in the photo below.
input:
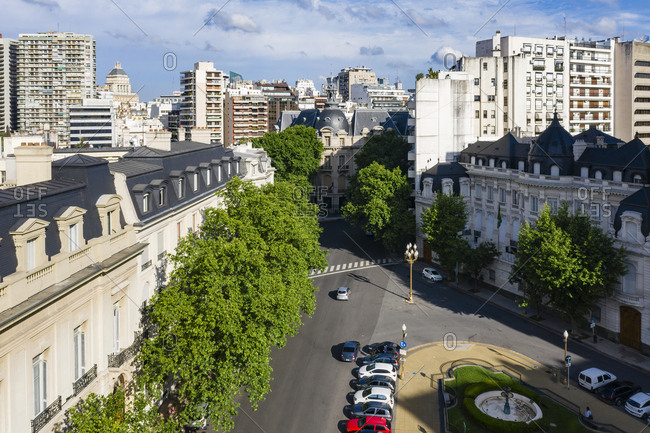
(295, 153)
(387, 148)
(238, 288)
(478, 258)
(567, 261)
(378, 199)
(443, 224)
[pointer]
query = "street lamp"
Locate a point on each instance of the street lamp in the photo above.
(411, 255)
(403, 359)
(566, 365)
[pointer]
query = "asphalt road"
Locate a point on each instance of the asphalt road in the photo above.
(311, 387)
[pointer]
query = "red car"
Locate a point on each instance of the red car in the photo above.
(372, 423)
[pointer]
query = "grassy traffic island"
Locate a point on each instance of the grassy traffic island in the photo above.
(470, 382)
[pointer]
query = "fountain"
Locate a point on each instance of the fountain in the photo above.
(508, 406)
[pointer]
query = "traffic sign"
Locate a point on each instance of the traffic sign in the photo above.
(402, 344)
(568, 358)
(402, 352)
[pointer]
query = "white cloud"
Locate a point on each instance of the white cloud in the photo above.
(231, 22)
(48, 4)
(209, 46)
(424, 21)
(371, 51)
(399, 64)
(447, 56)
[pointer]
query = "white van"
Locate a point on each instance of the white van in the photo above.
(594, 378)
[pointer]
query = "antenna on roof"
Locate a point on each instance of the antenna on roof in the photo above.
(564, 16)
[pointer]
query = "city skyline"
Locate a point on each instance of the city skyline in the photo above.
(156, 41)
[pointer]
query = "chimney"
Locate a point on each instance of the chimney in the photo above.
(158, 139)
(496, 44)
(181, 134)
(33, 163)
(600, 141)
(201, 135)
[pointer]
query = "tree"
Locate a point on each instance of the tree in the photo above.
(388, 149)
(432, 74)
(568, 262)
(238, 287)
(295, 153)
(478, 258)
(443, 224)
(419, 76)
(378, 199)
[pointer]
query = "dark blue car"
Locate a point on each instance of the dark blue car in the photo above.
(350, 351)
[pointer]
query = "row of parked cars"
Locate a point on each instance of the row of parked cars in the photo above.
(372, 403)
(614, 391)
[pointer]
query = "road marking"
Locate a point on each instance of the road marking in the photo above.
(344, 266)
(337, 267)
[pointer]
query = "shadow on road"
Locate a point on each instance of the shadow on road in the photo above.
(336, 351)
(343, 426)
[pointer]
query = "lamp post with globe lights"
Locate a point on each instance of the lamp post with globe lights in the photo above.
(411, 256)
(566, 365)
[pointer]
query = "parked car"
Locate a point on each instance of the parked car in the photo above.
(381, 357)
(618, 391)
(368, 423)
(594, 378)
(372, 408)
(383, 381)
(639, 405)
(343, 294)
(350, 351)
(431, 274)
(378, 369)
(377, 394)
(384, 347)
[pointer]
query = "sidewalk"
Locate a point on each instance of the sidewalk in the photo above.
(417, 409)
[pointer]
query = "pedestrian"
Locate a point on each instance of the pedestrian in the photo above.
(588, 414)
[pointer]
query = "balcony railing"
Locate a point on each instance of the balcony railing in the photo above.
(116, 360)
(46, 416)
(84, 380)
(625, 298)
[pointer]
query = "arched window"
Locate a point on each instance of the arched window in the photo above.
(491, 162)
(480, 161)
(584, 171)
(637, 178)
(629, 280)
(504, 164)
(536, 168)
(598, 174)
(472, 160)
(521, 165)
(617, 176)
(555, 170)
(446, 189)
(516, 226)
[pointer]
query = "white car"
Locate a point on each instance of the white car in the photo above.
(639, 405)
(431, 274)
(594, 378)
(376, 394)
(378, 368)
(343, 294)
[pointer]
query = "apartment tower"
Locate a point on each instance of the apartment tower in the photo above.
(203, 98)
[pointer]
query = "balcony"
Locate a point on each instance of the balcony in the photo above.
(118, 359)
(625, 298)
(46, 416)
(84, 380)
(344, 167)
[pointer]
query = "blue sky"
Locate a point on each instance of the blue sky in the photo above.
(292, 39)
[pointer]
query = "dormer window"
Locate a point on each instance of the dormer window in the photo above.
(145, 202)
(637, 178)
(181, 185)
(208, 178)
(195, 185)
(73, 237)
(70, 222)
(31, 254)
(161, 197)
(29, 241)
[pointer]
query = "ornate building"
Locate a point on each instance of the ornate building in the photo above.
(593, 172)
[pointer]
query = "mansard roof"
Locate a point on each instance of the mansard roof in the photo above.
(444, 170)
(637, 202)
(590, 136)
(554, 141)
(505, 147)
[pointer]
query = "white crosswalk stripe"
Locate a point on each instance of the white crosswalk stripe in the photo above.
(352, 265)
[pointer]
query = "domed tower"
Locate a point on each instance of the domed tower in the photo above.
(553, 148)
(332, 116)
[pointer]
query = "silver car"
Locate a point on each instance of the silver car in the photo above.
(372, 408)
(343, 294)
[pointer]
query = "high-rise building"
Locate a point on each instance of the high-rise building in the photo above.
(632, 90)
(203, 95)
(8, 83)
(386, 96)
(246, 113)
(55, 71)
(92, 123)
(280, 98)
(591, 85)
(349, 76)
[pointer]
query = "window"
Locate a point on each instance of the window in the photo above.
(476, 81)
(145, 202)
(528, 103)
(598, 174)
(533, 204)
(79, 352)
(341, 161)
(208, 178)
(218, 173)
(328, 162)
(549, 90)
(477, 98)
(595, 211)
(181, 185)
(502, 195)
(73, 237)
(161, 197)
(479, 191)
(39, 369)
(538, 77)
(505, 69)
(490, 193)
(485, 66)
(617, 176)
(492, 114)
(515, 198)
(178, 230)
(109, 222)
(536, 168)
(527, 76)
(505, 101)
(549, 50)
(637, 178)
(342, 141)
(552, 204)
(493, 81)
(521, 165)
(491, 162)
(31, 254)
(477, 114)
(559, 51)
(527, 48)
(196, 182)
(539, 49)
(538, 104)
(485, 114)
(490, 98)
(560, 78)
(116, 327)
(555, 170)
(161, 243)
